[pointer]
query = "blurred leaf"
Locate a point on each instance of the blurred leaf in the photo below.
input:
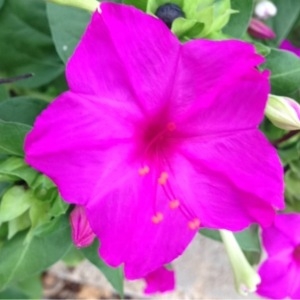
(285, 72)
(238, 22)
(3, 93)
(19, 170)
(21, 109)
(14, 202)
(13, 293)
(12, 137)
(19, 260)
(26, 43)
(282, 23)
(247, 239)
(113, 275)
(142, 5)
(1, 3)
(58, 206)
(73, 257)
(32, 287)
(292, 183)
(18, 224)
(67, 25)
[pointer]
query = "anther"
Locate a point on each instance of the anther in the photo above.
(171, 126)
(174, 204)
(194, 224)
(157, 218)
(143, 171)
(163, 178)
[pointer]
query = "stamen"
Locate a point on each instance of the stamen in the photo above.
(171, 126)
(144, 170)
(174, 204)
(157, 218)
(194, 224)
(163, 178)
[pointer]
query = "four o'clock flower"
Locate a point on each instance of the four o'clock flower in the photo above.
(280, 271)
(156, 138)
(287, 45)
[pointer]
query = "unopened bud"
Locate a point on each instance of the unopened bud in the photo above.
(265, 9)
(89, 5)
(283, 112)
(260, 30)
(82, 234)
(246, 279)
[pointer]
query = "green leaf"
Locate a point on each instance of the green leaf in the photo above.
(282, 23)
(67, 25)
(21, 109)
(73, 257)
(113, 275)
(13, 293)
(26, 43)
(142, 5)
(247, 239)
(12, 137)
(292, 183)
(18, 224)
(16, 168)
(32, 287)
(238, 22)
(1, 3)
(14, 203)
(19, 260)
(285, 72)
(3, 93)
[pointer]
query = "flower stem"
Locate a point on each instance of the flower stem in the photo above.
(246, 279)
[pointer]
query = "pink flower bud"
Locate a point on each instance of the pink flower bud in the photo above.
(82, 234)
(260, 30)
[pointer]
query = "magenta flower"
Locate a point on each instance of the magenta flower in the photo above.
(280, 271)
(287, 45)
(157, 138)
(82, 234)
(159, 281)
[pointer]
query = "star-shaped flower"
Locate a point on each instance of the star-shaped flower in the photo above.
(156, 138)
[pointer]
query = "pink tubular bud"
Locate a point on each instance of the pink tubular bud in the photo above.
(82, 234)
(260, 30)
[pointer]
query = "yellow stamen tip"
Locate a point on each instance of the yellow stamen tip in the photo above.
(143, 171)
(171, 126)
(157, 218)
(163, 178)
(174, 204)
(194, 224)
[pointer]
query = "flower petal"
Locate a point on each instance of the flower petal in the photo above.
(74, 138)
(217, 86)
(121, 218)
(126, 54)
(159, 281)
(223, 177)
(275, 278)
(286, 225)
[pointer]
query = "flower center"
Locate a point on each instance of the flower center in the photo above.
(157, 143)
(296, 253)
(168, 13)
